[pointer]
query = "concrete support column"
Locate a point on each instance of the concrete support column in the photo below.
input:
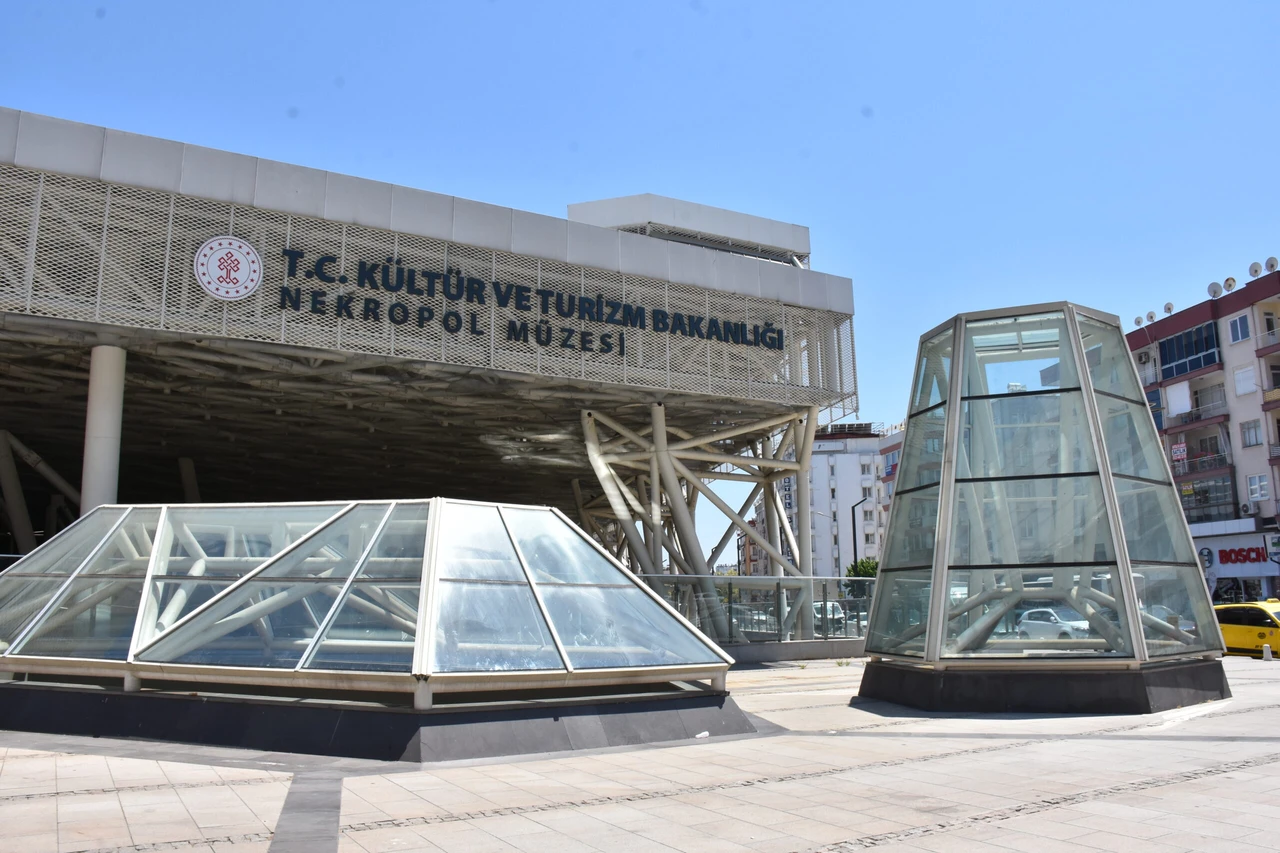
(101, 477)
(190, 486)
(15, 503)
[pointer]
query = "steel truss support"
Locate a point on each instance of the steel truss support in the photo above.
(651, 479)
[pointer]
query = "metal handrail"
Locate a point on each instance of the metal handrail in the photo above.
(1207, 462)
(1208, 410)
(1267, 339)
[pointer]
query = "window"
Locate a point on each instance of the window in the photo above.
(869, 539)
(1208, 445)
(1258, 487)
(1157, 410)
(1251, 433)
(835, 538)
(866, 469)
(1240, 329)
(868, 515)
(866, 491)
(1245, 381)
(1189, 351)
(833, 494)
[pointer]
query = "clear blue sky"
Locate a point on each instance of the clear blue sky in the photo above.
(947, 156)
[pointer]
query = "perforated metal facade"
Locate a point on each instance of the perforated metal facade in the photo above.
(86, 250)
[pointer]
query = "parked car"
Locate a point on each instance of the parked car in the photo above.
(835, 616)
(1052, 623)
(1246, 628)
(1166, 614)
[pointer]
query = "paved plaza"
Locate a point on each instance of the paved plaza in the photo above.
(825, 774)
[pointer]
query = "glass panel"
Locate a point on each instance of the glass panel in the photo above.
(474, 544)
(129, 550)
(913, 524)
(1177, 616)
(900, 613)
(373, 630)
(173, 598)
(490, 627)
(934, 372)
(556, 553)
(1022, 436)
(279, 607)
(1153, 528)
(20, 600)
(93, 619)
(922, 449)
(233, 541)
(272, 629)
(400, 548)
(334, 551)
(1132, 445)
(611, 626)
(63, 554)
(1108, 358)
(1030, 612)
(1058, 520)
(1015, 354)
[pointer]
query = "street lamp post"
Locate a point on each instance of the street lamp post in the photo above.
(853, 530)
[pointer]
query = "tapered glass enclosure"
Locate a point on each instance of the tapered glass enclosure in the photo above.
(377, 594)
(1035, 514)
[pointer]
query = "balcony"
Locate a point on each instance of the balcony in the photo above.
(1200, 464)
(1149, 373)
(1267, 343)
(1204, 415)
(1271, 398)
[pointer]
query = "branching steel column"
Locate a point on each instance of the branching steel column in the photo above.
(683, 520)
(15, 503)
(616, 501)
(804, 560)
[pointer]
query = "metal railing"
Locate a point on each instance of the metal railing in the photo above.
(1204, 412)
(1275, 451)
(1208, 462)
(1267, 339)
(1149, 373)
(762, 609)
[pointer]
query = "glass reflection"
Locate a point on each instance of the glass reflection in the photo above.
(619, 626)
(1177, 616)
(1130, 437)
(933, 373)
(1109, 360)
(922, 449)
(1076, 611)
(1016, 354)
(901, 613)
(913, 527)
(1024, 436)
(555, 552)
(1052, 520)
(1153, 527)
(490, 627)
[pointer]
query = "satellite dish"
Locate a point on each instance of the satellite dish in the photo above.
(1272, 265)
(1215, 290)
(1168, 308)
(1137, 321)
(1255, 269)
(1151, 316)
(1229, 284)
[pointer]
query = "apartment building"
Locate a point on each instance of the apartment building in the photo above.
(1211, 375)
(847, 513)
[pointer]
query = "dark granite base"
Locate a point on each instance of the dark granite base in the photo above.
(388, 734)
(1155, 687)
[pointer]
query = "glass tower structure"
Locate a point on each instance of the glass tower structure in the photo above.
(1035, 518)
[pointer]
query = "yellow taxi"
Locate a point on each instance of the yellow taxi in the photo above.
(1247, 627)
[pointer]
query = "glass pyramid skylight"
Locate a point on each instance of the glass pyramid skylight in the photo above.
(368, 595)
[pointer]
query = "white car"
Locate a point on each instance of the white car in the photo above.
(1052, 623)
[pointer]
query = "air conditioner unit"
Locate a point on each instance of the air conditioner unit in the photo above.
(1144, 357)
(1248, 508)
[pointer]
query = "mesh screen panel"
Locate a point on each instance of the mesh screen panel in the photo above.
(89, 251)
